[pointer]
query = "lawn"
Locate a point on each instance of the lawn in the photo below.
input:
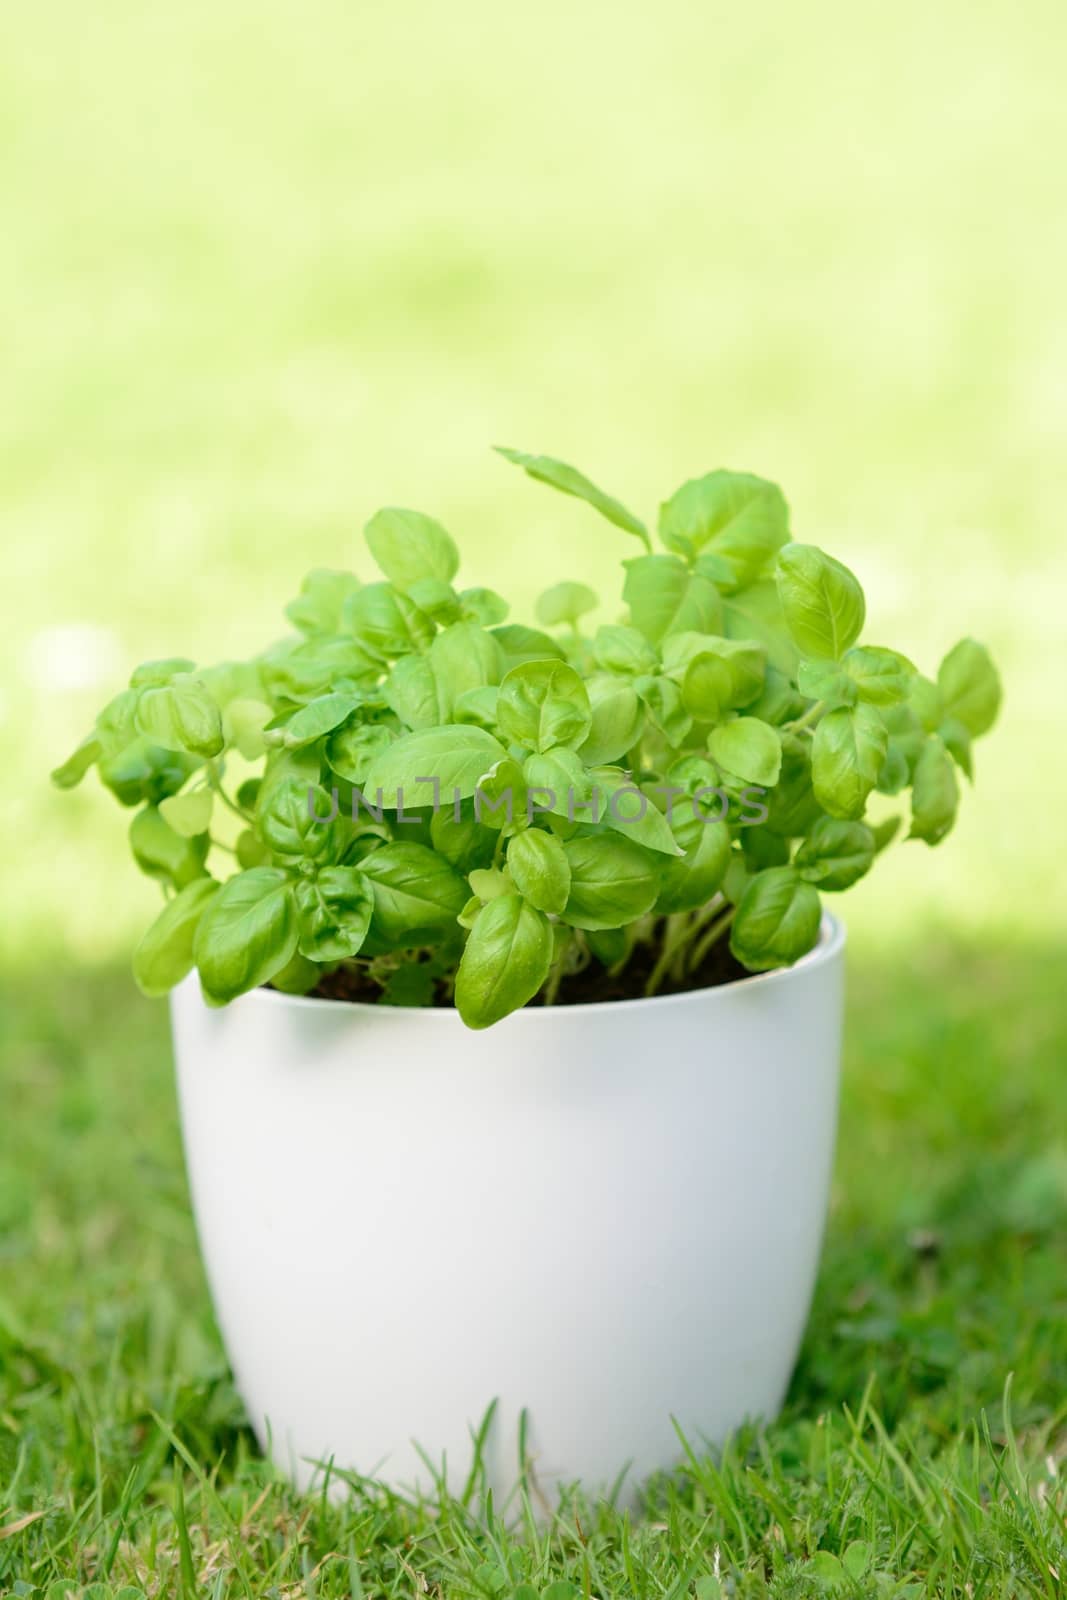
(265, 270)
(919, 1452)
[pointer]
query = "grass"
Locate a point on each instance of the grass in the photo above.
(921, 1445)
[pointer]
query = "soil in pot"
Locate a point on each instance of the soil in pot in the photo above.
(595, 983)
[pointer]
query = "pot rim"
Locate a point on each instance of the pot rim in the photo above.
(832, 938)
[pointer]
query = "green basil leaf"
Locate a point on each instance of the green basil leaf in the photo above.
(73, 770)
(294, 674)
(164, 854)
(247, 933)
(505, 961)
(489, 883)
(116, 726)
(848, 753)
(145, 771)
(609, 945)
(165, 953)
(827, 681)
(882, 677)
(465, 843)
(884, 833)
(970, 686)
(721, 675)
(748, 748)
(681, 649)
(619, 649)
(408, 546)
(623, 806)
(957, 741)
(739, 519)
(228, 681)
(521, 644)
(568, 480)
(618, 719)
(478, 707)
(298, 820)
(318, 718)
(320, 604)
(282, 766)
(243, 722)
(437, 600)
(181, 715)
(905, 742)
(469, 914)
(894, 774)
(756, 615)
(412, 693)
(717, 570)
(501, 800)
(431, 766)
(542, 704)
(558, 782)
(251, 851)
(690, 881)
(411, 984)
(562, 826)
(738, 877)
(927, 703)
(383, 618)
(417, 894)
(822, 601)
(836, 854)
(565, 603)
(351, 751)
(613, 881)
(189, 814)
(464, 657)
(539, 867)
(334, 909)
(792, 808)
(153, 674)
(761, 848)
(665, 597)
(662, 699)
(690, 774)
(777, 920)
(484, 606)
(935, 794)
(299, 976)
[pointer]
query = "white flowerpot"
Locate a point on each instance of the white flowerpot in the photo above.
(605, 1216)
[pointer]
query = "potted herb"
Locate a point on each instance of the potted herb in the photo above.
(510, 1069)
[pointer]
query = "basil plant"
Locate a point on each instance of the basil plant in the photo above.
(413, 791)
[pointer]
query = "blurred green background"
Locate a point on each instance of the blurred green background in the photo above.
(266, 268)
